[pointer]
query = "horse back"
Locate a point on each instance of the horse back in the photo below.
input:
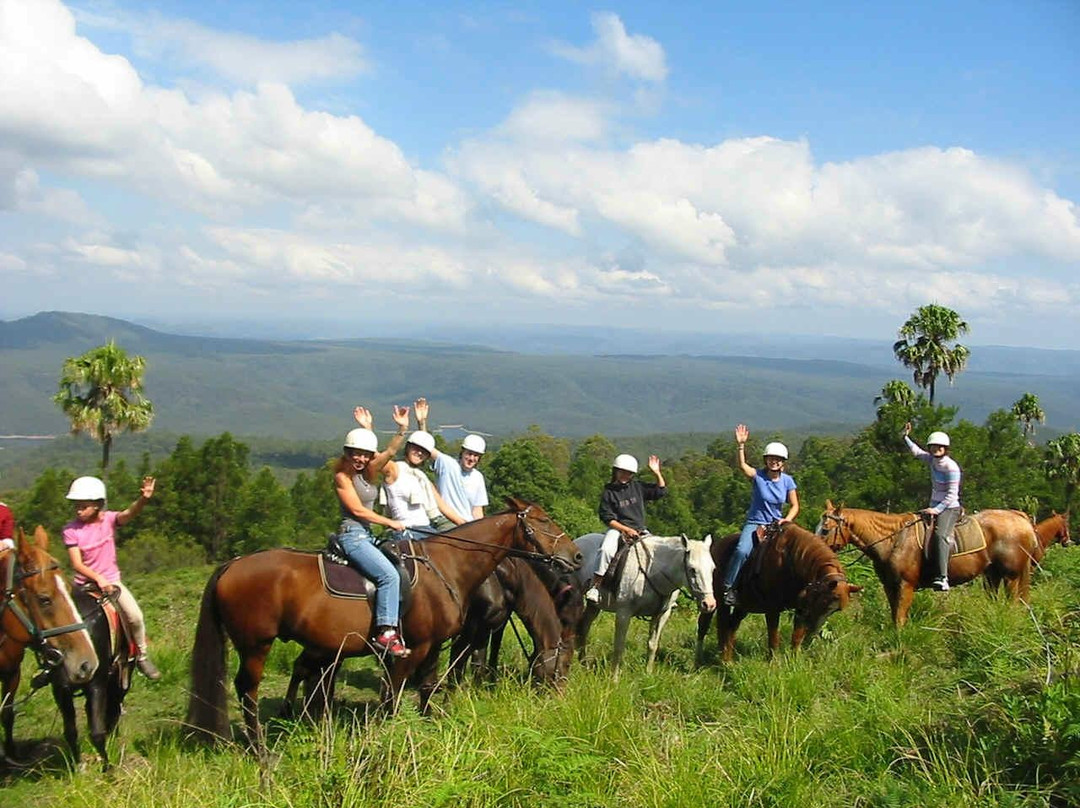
(1007, 528)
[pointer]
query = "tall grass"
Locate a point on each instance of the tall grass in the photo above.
(975, 703)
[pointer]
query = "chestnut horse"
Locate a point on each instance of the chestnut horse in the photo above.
(255, 599)
(1050, 530)
(549, 605)
(890, 541)
(792, 569)
(38, 612)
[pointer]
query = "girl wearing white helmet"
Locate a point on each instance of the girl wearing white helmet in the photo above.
(408, 493)
(622, 509)
(944, 499)
(91, 542)
(771, 487)
(355, 483)
(459, 481)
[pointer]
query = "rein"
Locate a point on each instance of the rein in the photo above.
(539, 555)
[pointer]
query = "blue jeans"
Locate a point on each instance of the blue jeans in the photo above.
(739, 554)
(357, 543)
(415, 533)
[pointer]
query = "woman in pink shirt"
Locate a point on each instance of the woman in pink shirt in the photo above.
(91, 543)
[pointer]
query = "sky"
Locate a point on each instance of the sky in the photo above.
(781, 167)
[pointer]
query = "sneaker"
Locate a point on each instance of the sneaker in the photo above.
(940, 585)
(592, 594)
(147, 668)
(390, 642)
(729, 598)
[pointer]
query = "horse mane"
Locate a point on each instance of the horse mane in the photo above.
(808, 552)
(878, 522)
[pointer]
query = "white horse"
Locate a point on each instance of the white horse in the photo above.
(656, 568)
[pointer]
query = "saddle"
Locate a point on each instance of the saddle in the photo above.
(610, 581)
(342, 580)
(967, 537)
(122, 648)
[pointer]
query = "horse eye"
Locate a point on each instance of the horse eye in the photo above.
(45, 601)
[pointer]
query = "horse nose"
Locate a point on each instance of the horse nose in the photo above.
(86, 670)
(579, 559)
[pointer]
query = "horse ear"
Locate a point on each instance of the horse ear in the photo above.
(41, 538)
(853, 588)
(515, 504)
(828, 505)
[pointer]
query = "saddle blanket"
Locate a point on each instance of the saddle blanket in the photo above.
(967, 538)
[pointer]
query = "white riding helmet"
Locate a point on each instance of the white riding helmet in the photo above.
(937, 439)
(474, 443)
(775, 449)
(422, 439)
(626, 463)
(86, 489)
(362, 439)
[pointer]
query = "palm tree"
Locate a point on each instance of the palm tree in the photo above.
(1027, 411)
(101, 394)
(1063, 463)
(895, 393)
(924, 345)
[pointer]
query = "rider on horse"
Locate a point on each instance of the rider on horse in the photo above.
(622, 509)
(771, 487)
(944, 499)
(354, 482)
(459, 481)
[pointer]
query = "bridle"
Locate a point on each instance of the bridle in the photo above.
(842, 522)
(528, 532)
(48, 657)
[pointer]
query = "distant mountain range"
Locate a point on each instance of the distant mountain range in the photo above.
(570, 382)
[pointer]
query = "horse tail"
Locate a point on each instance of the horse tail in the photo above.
(208, 708)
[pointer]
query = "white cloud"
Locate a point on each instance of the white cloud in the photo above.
(555, 117)
(634, 55)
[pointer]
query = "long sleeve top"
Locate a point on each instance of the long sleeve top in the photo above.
(626, 503)
(944, 477)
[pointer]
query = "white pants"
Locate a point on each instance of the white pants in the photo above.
(133, 616)
(608, 549)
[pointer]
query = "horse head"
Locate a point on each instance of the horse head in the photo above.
(833, 529)
(43, 605)
(700, 569)
(539, 533)
(1063, 532)
(823, 597)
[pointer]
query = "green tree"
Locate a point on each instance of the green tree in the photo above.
(896, 397)
(1027, 411)
(315, 506)
(46, 504)
(519, 469)
(590, 467)
(264, 516)
(101, 394)
(924, 345)
(1062, 462)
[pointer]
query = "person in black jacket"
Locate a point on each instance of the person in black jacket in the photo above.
(622, 509)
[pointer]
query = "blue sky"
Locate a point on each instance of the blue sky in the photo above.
(800, 168)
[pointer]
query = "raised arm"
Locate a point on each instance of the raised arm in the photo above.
(379, 461)
(422, 410)
(654, 467)
(742, 435)
(145, 492)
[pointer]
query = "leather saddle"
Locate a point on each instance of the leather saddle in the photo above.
(342, 580)
(967, 536)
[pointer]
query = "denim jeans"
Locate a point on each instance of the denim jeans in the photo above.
(414, 533)
(739, 554)
(357, 543)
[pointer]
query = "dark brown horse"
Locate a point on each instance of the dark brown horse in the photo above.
(1053, 529)
(255, 599)
(38, 613)
(792, 569)
(890, 541)
(549, 606)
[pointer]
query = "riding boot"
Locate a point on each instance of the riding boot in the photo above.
(592, 594)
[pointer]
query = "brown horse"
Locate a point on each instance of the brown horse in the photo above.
(1053, 529)
(255, 599)
(792, 569)
(549, 605)
(890, 541)
(38, 612)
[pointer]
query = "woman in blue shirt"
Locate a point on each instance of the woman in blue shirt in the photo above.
(771, 487)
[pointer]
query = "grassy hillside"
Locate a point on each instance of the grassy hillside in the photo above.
(974, 704)
(305, 390)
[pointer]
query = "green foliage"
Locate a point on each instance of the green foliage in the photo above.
(519, 469)
(1062, 462)
(46, 504)
(101, 394)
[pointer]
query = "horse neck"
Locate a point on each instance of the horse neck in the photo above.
(809, 556)
(667, 554)
(1048, 530)
(534, 605)
(466, 564)
(874, 532)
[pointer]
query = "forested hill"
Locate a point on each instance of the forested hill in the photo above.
(306, 389)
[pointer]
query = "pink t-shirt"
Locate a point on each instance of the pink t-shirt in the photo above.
(97, 543)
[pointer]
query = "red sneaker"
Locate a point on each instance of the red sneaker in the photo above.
(390, 642)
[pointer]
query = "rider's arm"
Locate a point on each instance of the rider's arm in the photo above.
(747, 469)
(75, 554)
(349, 499)
(422, 409)
(793, 506)
(446, 510)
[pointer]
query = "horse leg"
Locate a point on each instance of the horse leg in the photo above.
(901, 603)
(7, 710)
(65, 702)
(772, 624)
(248, 678)
(726, 626)
(95, 719)
(703, 622)
(591, 612)
(494, 647)
(622, 625)
(658, 623)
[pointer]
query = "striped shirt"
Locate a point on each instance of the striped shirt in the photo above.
(944, 478)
